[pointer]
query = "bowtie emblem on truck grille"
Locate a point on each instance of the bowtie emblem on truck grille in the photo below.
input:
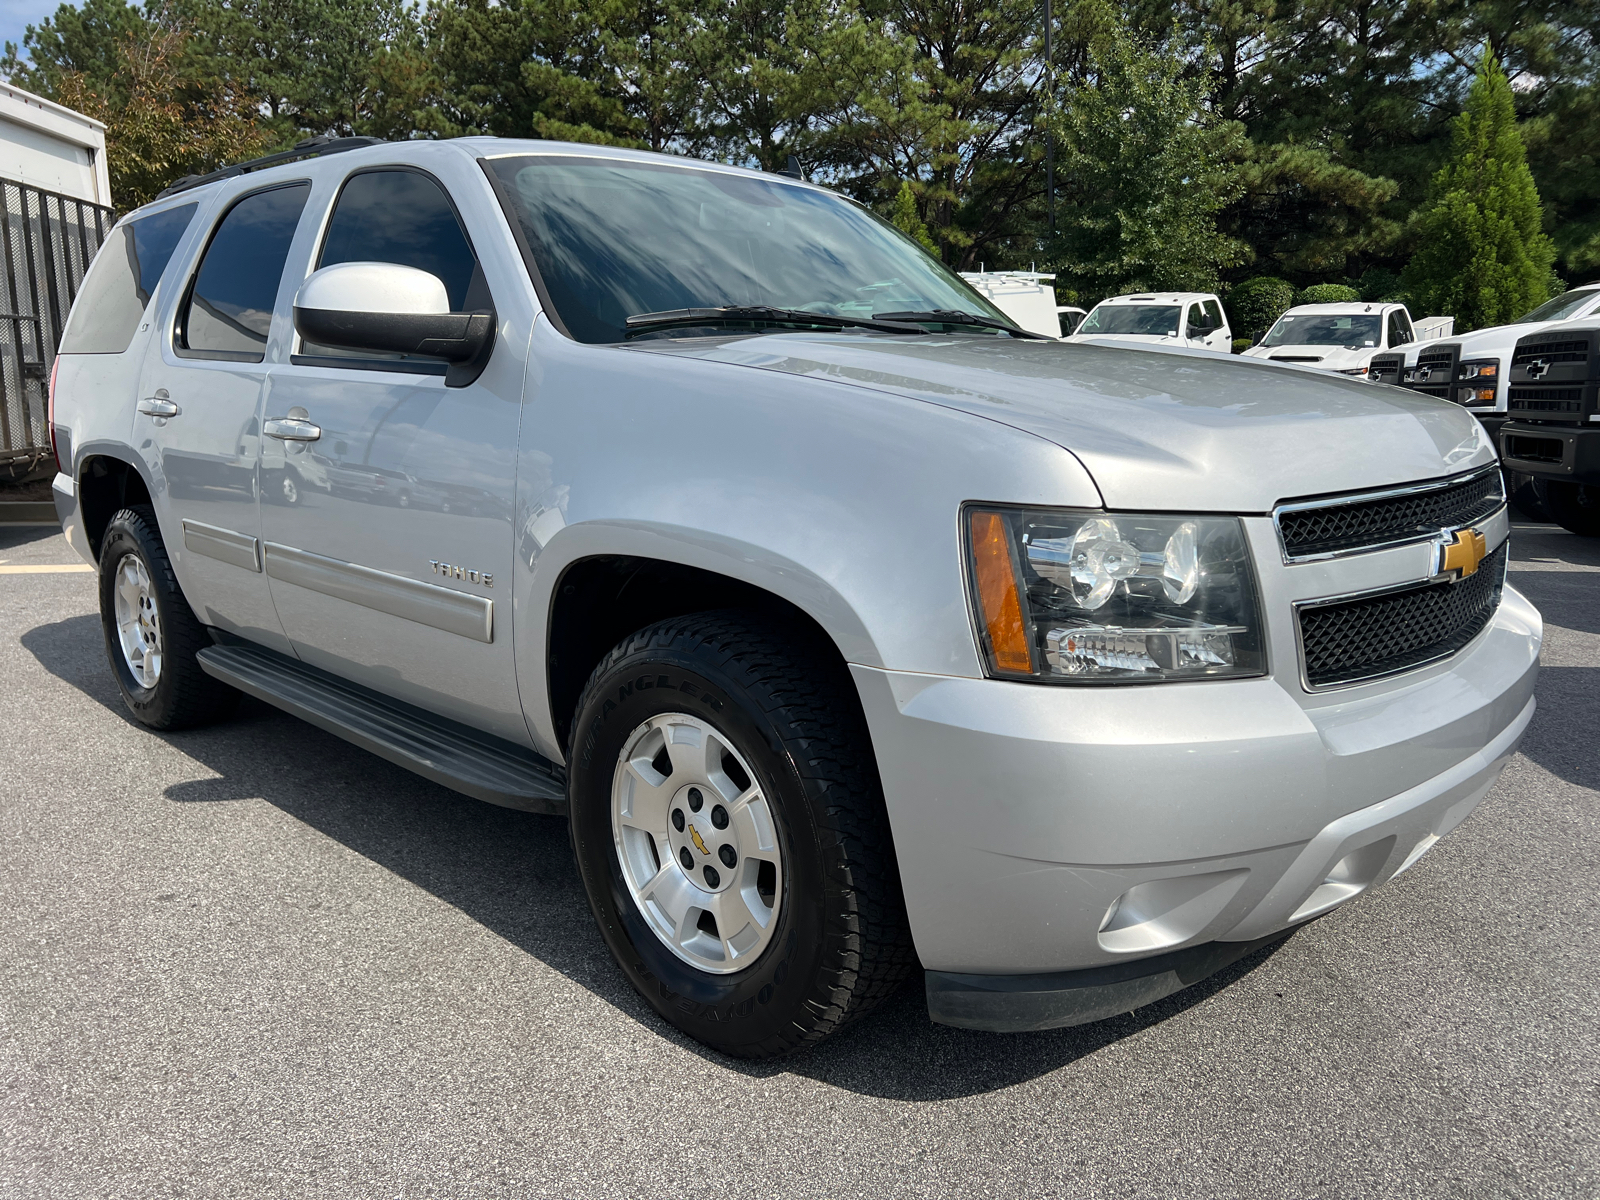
(1423, 374)
(1459, 553)
(451, 571)
(1538, 367)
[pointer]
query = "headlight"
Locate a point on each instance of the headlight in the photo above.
(1488, 368)
(1354, 370)
(1475, 396)
(1084, 597)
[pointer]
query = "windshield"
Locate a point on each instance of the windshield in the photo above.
(1157, 319)
(614, 239)
(1325, 330)
(1563, 306)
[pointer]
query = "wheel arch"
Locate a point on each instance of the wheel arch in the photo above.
(107, 482)
(599, 597)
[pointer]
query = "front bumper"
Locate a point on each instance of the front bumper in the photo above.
(1565, 452)
(1048, 829)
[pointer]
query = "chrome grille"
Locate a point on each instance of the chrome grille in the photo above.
(1371, 520)
(1366, 637)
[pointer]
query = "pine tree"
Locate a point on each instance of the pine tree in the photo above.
(904, 217)
(1483, 257)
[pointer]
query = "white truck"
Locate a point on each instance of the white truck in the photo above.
(1473, 369)
(1159, 320)
(1028, 298)
(1343, 338)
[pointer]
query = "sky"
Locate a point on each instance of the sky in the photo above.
(17, 15)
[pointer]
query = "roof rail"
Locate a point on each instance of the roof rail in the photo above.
(310, 148)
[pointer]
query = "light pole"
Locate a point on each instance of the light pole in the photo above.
(1049, 130)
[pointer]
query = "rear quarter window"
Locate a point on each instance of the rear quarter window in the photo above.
(121, 280)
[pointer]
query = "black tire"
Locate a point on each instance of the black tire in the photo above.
(1525, 496)
(1573, 506)
(183, 694)
(840, 944)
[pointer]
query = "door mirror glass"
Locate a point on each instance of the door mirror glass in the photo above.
(386, 308)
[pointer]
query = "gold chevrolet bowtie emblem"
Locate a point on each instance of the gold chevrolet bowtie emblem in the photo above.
(699, 843)
(1462, 552)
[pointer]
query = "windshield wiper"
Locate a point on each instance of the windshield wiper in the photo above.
(741, 314)
(951, 316)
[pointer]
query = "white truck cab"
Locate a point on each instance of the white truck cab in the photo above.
(1159, 319)
(1336, 337)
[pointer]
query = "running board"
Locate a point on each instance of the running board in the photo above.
(477, 764)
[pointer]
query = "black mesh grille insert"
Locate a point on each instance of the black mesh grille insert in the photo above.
(1377, 522)
(1381, 635)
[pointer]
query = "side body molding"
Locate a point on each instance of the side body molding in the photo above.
(224, 545)
(426, 603)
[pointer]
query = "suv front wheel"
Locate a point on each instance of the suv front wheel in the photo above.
(152, 635)
(729, 827)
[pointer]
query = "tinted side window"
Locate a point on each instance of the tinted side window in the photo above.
(1214, 314)
(229, 308)
(405, 217)
(119, 283)
(1197, 320)
(1399, 328)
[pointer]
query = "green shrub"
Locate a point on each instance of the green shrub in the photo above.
(1240, 345)
(1328, 293)
(1256, 303)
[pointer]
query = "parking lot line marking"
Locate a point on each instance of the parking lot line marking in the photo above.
(51, 569)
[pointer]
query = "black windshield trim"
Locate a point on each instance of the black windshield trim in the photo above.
(756, 314)
(954, 316)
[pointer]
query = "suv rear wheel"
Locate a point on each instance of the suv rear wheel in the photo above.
(730, 830)
(152, 635)
(1573, 506)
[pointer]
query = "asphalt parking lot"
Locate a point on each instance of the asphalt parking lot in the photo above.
(253, 961)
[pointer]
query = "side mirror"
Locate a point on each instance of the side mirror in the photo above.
(391, 309)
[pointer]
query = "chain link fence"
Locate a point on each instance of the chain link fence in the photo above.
(48, 241)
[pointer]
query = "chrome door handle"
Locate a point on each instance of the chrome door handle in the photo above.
(158, 406)
(291, 429)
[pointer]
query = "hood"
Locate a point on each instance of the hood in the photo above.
(1324, 358)
(1176, 431)
(1139, 339)
(1497, 341)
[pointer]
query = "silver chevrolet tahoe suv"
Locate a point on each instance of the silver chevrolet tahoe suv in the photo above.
(852, 628)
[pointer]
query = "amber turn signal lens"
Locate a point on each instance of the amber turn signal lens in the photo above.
(996, 576)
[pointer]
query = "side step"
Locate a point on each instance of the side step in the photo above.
(477, 764)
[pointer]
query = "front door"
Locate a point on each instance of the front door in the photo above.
(198, 415)
(388, 528)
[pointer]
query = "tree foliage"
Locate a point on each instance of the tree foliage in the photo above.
(1197, 141)
(1143, 176)
(1482, 255)
(161, 122)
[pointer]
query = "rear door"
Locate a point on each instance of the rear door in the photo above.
(198, 415)
(392, 564)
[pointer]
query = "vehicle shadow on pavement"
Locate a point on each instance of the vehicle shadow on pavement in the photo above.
(512, 872)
